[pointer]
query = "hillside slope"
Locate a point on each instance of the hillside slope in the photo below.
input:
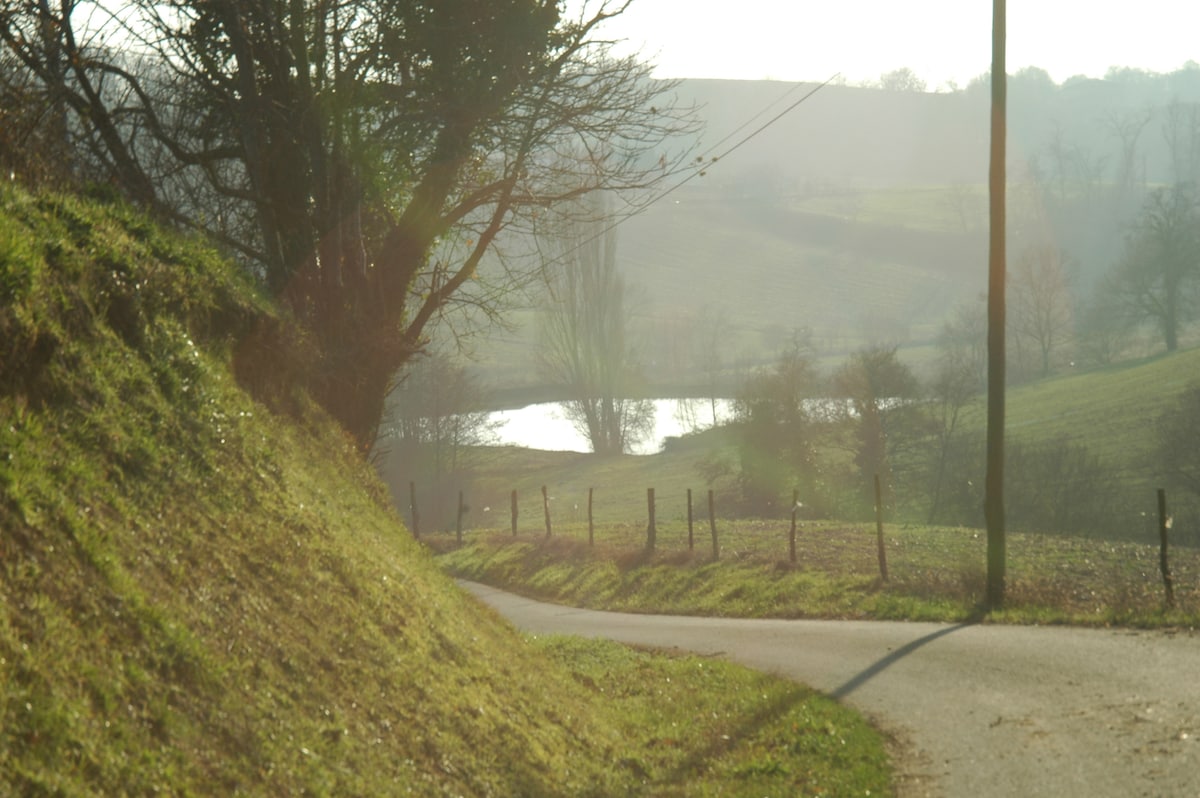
(199, 596)
(204, 595)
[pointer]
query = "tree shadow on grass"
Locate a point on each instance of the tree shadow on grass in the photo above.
(703, 756)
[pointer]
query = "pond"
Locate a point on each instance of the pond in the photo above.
(545, 425)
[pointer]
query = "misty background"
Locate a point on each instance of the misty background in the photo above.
(859, 216)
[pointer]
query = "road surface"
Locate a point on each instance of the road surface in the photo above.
(976, 710)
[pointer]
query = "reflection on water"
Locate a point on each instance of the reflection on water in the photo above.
(544, 426)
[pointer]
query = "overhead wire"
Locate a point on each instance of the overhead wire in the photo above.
(699, 170)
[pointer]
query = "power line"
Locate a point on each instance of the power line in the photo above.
(748, 122)
(700, 171)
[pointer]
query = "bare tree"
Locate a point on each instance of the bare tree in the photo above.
(963, 339)
(1061, 155)
(1127, 126)
(35, 141)
(902, 79)
(958, 380)
(584, 343)
(1041, 302)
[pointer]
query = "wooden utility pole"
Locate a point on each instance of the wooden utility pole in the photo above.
(462, 508)
(712, 524)
(1164, 524)
(792, 533)
(993, 502)
(879, 530)
(412, 505)
(652, 527)
(691, 539)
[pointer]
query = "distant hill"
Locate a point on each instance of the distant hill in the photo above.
(860, 215)
(840, 137)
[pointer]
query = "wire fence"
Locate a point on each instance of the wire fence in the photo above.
(924, 553)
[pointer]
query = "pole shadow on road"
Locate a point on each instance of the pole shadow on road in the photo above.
(861, 678)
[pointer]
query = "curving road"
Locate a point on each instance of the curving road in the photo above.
(976, 710)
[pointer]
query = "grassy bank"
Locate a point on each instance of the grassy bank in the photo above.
(934, 573)
(205, 594)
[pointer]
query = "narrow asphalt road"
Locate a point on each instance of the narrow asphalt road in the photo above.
(977, 710)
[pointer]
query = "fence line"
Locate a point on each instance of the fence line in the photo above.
(1165, 523)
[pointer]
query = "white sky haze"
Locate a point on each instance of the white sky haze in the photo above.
(940, 40)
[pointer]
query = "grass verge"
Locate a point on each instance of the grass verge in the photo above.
(934, 574)
(748, 736)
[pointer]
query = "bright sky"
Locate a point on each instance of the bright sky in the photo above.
(940, 40)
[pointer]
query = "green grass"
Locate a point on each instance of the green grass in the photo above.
(1109, 409)
(753, 736)
(934, 573)
(200, 595)
(618, 485)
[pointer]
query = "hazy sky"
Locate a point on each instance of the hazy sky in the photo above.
(940, 40)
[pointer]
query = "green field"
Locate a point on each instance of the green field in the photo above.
(1108, 410)
(936, 572)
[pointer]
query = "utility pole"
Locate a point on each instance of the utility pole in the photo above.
(993, 502)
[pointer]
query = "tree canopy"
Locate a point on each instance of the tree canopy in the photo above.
(360, 157)
(1155, 279)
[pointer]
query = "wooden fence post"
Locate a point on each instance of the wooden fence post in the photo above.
(1164, 524)
(712, 523)
(691, 542)
(462, 508)
(591, 529)
(879, 530)
(412, 505)
(651, 529)
(546, 509)
(513, 504)
(792, 533)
